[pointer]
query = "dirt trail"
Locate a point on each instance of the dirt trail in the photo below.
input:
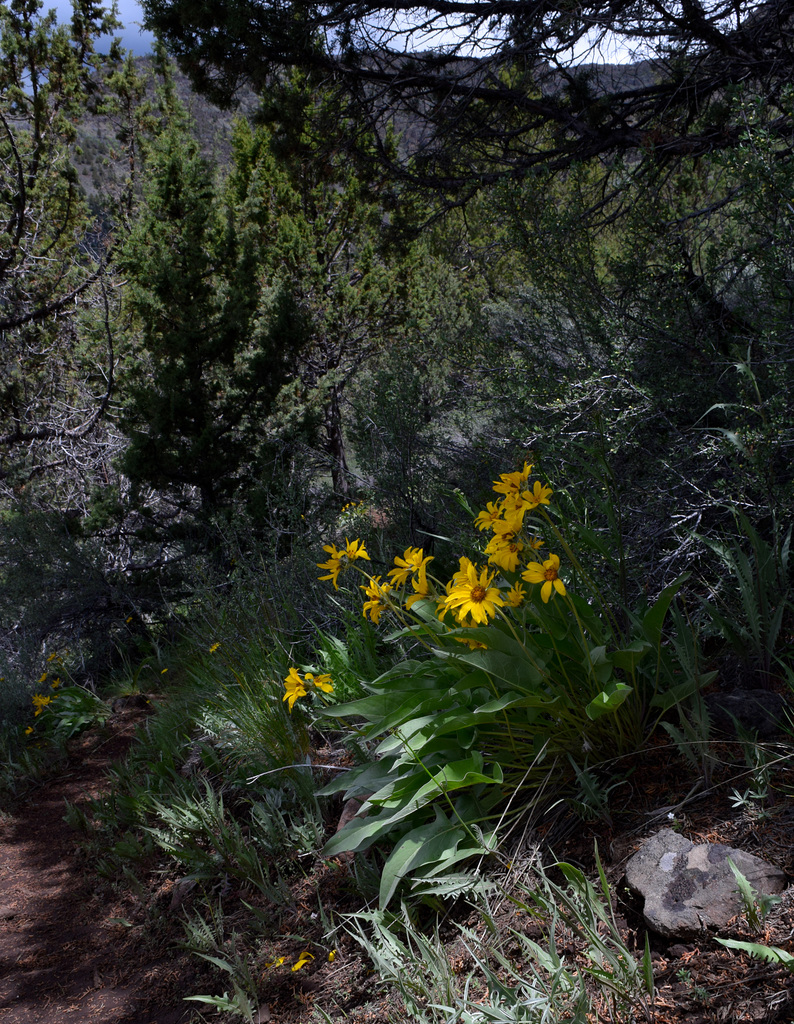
(61, 957)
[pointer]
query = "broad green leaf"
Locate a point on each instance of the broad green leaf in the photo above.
(363, 779)
(471, 681)
(359, 834)
(654, 618)
(375, 707)
(588, 616)
(629, 657)
(676, 694)
(508, 668)
(420, 846)
(608, 701)
(496, 637)
(457, 774)
(599, 662)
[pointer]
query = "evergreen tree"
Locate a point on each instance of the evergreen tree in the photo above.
(214, 344)
(57, 355)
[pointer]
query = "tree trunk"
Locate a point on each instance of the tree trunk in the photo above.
(335, 445)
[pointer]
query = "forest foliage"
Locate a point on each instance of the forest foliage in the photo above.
(202, 357)
(214, 371)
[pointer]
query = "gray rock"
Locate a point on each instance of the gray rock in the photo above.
(182, 889)
(689, 888)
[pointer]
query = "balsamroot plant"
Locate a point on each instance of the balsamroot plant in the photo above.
(524, 676)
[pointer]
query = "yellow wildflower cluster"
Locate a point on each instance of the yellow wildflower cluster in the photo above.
(510, 538)
(475, 594)
(296, 687)
(39, 700)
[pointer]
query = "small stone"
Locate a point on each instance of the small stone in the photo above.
(6, 913)
(689, 888)
(182, 889)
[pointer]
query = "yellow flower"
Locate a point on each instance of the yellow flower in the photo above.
(488, 516)
(377, 598)
(332, 956)
(545, 574)
(43, 677)
(295, 688)
(339, 560)
(539, 495)
(40, 702)
(412, 562)
(355, 549)
(214, 647)
(52, 657)
(473, 596)
(462, 574)
(55, 683)
(421, 588)
(304, 958)
(512, 483)
(29, 730)
(277, 962)
(333, 565)
(322, 682)
(163, 671)
(505, 547)
(505, 555)
(515, 596)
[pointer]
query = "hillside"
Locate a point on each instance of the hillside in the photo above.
(98, 157)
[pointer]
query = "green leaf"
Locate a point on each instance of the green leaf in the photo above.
(608, 701)
(599, 662)
(647, 968)
(773, 953)
(676, 694)
(375, 707)
(411, 794)
(420, 846)
(654, 618)
(358, 834)
(513, 669)
(629, 657)
(364, 779)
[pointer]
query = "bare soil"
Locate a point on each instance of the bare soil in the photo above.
(62, 957)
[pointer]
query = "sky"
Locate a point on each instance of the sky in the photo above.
(132, 38)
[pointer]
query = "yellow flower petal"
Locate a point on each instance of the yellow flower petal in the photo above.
(305, 957)
(295, 687)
